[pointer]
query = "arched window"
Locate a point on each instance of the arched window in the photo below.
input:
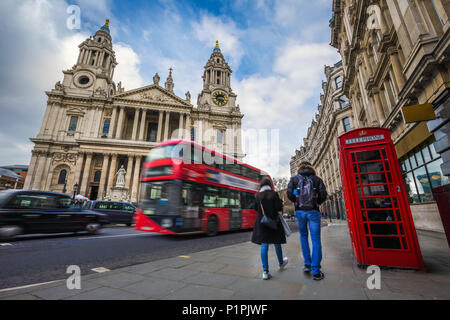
(62, 176)
(97, 176)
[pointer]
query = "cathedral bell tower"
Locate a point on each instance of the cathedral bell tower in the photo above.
(93, 73)
(217, 90)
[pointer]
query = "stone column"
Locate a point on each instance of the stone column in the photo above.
(101, 187)
(120, 123)
(113, 123)
(166, 126)
(180, 126)
(396, 67)
(143, 122)
(129, 172)
(78, 168)
(45, 120)
(31, 168)
(86, 172)
(136, 177)
(135, 124)
(39, 170)
(112, 171)
(160, 123)
(46, 173)
(379, 107)
(187, 128)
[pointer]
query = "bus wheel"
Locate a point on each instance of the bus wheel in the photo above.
(212, 226)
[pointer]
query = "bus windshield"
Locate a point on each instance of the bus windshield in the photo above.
(161, 195)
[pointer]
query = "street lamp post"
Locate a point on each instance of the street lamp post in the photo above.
(65, 185)
(75, 190)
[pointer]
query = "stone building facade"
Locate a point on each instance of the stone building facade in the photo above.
(334, 117)
(395, 53)
(93, 126)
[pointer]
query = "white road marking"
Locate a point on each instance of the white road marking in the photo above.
(29, 286)
(5, 244)
(116, 236)
(100, 270)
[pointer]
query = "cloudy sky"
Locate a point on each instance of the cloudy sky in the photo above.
(277, 50)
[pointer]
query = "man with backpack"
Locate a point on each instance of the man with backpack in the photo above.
(308, 192)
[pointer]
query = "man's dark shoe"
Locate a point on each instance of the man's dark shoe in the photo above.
(318, 276)
(307, 269)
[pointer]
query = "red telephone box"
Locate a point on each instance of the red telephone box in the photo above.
(379, 218)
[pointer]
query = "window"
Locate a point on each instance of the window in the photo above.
(152, 132)
(210, 197)
(97, 176)
(422, 172)
(106, 124)
(338, 82)
(346, 122)
(342, 101)
(391, 85)
(219, 137)
(39, 201)
(192, 134)
(374, 53)
(62, 176)
(73, 123)
(387, 98)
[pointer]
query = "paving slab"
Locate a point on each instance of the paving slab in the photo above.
(199, 292)
(155, 288)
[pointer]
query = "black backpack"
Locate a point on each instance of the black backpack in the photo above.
(306, 194)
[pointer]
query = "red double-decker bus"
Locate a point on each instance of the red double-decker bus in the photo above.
(187, 188)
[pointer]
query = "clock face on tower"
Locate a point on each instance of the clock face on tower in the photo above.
(220, 98)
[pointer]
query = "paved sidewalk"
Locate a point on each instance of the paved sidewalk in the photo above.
(234, 272)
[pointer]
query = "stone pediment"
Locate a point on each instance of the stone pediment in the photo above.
(152, 94)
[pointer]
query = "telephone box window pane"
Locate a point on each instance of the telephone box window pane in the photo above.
(366, 229)
(386, 165)
(398, 216)
(386, 242)
(373, 178)
(423, 184)
(383, 229)
(381, 215)
(371, 167)
(400, 227)
(353, 157)
(368, 155)
(364, 215)
(405, 246)
(436, 177)
(355, 168)
(384, 153)
(381, 190)
(374, 203)
(357, 180)
(369, 244)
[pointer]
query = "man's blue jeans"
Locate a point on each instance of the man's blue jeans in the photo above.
(265, 254)
(310, 218)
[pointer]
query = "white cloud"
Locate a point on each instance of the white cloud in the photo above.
(211, 28)
(127, 71)
(279, 101)
(36, 48)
